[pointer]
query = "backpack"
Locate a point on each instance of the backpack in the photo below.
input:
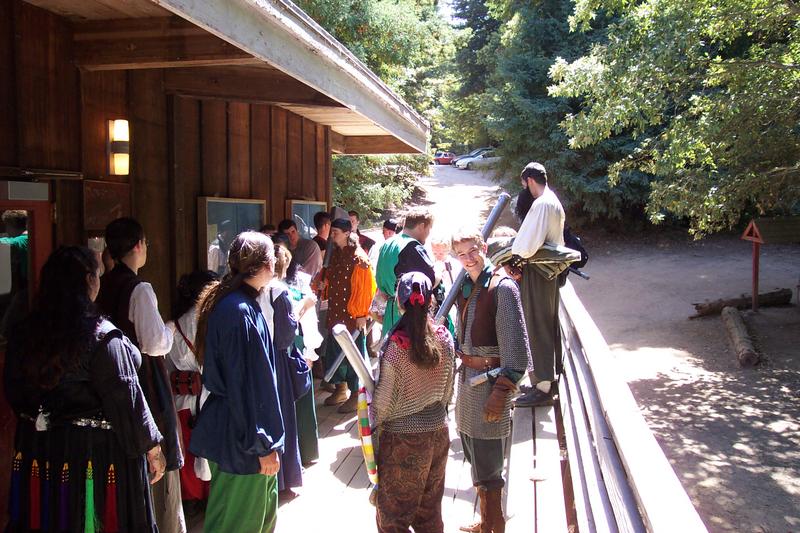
(573, 241)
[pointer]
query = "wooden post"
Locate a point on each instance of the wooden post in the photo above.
(756, 253)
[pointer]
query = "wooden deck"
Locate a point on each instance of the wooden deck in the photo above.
(335, 492)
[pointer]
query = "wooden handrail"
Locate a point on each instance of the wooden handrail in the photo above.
(660, 499)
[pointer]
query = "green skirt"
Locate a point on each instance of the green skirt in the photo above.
(306, 412)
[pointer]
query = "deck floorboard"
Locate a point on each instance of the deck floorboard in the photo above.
(335, 492)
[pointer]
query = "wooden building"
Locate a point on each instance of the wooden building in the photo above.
(239, 99)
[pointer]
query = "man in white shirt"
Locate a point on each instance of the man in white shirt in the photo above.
(542, 222)
(131, 304)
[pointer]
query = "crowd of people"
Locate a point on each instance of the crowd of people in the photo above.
(129, 423)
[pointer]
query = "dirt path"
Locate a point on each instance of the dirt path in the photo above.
(731, 434)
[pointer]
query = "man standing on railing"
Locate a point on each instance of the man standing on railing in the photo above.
(491, 337)
(542, 222)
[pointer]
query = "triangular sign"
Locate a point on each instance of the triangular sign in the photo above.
(752, 234)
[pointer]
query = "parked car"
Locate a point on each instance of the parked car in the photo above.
(485, 159)
(476, 151)
(443, 158)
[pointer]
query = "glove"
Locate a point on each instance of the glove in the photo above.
(496, 404)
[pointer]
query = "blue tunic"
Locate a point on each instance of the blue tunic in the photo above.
(291, 472)
(241, 420)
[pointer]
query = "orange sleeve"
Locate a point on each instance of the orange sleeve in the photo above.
(362, 284)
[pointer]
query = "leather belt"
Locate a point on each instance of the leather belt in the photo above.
(479, 363)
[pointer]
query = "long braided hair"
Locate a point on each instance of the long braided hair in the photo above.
(250, 251)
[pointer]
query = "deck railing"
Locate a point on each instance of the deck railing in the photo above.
(621, 480)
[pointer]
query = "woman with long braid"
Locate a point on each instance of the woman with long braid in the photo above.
(239, 429)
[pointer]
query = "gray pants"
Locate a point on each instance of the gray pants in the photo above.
(486, 459)
(167, 503)
(540, 300)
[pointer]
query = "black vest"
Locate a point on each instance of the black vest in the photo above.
(114, 301)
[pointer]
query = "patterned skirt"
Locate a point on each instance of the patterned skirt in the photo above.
(411, 468)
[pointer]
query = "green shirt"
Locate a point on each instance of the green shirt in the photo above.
(19, 254)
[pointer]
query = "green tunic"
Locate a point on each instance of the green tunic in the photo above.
(386, 277)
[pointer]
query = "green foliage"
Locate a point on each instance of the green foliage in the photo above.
(409, 46)
(710, 89)
(405, 42)
(516, 111)
(370, 184)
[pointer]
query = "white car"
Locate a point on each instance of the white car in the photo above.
(484, 160)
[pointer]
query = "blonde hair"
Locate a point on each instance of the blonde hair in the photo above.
(467, 235)
(250, 252)
(282, 259)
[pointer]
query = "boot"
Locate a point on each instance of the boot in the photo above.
(494, 511)
(338, 396)
(327, 387)
(350, 406)
(477, 526)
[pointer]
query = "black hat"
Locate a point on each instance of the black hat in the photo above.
(342, 224)
(391, 225)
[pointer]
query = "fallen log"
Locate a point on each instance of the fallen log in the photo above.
(766, 299)
(740, 339)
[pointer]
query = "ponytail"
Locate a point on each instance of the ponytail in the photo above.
(250, 251)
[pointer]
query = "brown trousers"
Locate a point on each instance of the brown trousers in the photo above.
(411, 471)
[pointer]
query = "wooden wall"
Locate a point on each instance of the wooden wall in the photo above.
(241, 150)
(55, 117)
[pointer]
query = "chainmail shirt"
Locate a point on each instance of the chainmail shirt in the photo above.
(514, 352)
(410, 399)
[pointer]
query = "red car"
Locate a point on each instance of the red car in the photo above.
(443, 158)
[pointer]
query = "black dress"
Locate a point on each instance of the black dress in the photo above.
(89, 458)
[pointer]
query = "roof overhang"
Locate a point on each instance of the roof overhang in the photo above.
(223, 39)
(282, 35)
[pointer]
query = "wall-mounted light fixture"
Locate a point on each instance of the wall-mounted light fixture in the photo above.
(118, 147)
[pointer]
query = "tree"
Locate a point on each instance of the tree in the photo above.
(408, 45)
(524, 118)
(710, 89)
(464, 103)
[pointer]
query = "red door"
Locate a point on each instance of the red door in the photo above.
(40, 244)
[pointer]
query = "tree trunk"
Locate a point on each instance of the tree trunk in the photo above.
(776, 297)
(740, 340)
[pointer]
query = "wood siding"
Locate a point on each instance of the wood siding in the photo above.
(240, 150)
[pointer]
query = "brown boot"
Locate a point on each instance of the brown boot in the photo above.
(327, 387)
(494, 511)
(338, 396)
(477, 526)
(350, 406)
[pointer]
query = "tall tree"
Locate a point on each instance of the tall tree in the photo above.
(711, 88)
(525, 119)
